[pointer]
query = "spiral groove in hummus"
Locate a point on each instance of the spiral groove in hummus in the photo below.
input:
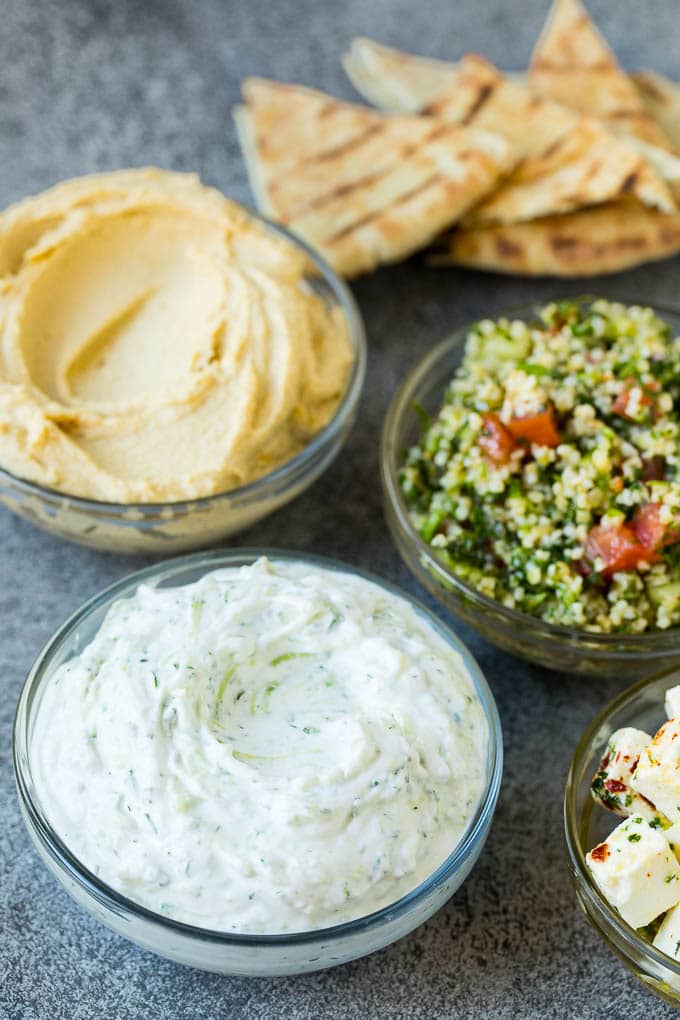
(156, 342)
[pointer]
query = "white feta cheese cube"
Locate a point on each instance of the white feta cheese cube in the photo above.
(672, 702)
(636, 871)
(672, 835)
(657, 775)
(611, 785)
(668, 936)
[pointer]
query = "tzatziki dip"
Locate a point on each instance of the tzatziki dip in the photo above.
(274, 748)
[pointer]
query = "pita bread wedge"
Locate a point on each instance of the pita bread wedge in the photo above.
(661, 98)
(572, 64)
(395, 81)
(471, 90)
(361, 187)
(591, 242)
(482, 95)
(585, 167)
(568, 161)
(664, 162)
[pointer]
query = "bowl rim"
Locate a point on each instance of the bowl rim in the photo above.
(635, 646)
(69, 864)
(252, 490)
(577, 853)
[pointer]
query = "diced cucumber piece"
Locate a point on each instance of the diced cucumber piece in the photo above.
(666, 595)
(492, 349)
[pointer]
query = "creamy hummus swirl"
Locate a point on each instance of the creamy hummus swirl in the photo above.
(156, 342)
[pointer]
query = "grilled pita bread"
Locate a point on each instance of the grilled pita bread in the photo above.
(665, 163)
(401, 82)
(470, 90)
(584, 167)
(480, 94)
(572, 64)
(568, 161)
(361, 187)
(395, 81)
(661, 98)
(607, 239)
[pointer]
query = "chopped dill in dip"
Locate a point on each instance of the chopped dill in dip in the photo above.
(277, 747)
(549, 478)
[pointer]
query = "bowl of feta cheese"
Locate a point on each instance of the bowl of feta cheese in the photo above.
(622, 824)
(257, 763)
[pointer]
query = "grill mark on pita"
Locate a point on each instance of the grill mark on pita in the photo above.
(329, 107)
(342, 190)
(623, 112)
(633, 243)
(439, 132)
(545, 64)
(553, 148)
(485, 93)
(559, 242)
(322, 157)
(650, 89)
(437, 105)
(352, 143)
(377, 213)
(593, 170)
(506, 248)
(629, 182)
(570, 247)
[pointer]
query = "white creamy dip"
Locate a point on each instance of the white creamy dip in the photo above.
(274, 748)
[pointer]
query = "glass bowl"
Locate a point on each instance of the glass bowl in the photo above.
(587, 823)
(222, 952)
(166, 528)
(627, 656)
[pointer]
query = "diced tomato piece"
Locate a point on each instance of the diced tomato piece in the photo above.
(536, 428)
(621, 403)
(619, 547)
(495, 440)
(650, 530)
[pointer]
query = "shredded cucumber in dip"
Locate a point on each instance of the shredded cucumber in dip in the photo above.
(273, 748)
(549, 477)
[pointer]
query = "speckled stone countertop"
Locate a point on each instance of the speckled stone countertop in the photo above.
(89, 85)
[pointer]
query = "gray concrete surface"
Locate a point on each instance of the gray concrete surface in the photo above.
(95, 85)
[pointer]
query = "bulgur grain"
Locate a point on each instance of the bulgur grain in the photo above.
(550, 479)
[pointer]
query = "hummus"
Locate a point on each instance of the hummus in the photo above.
(157, 343)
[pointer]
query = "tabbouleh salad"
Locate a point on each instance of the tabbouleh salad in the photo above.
(550, 479)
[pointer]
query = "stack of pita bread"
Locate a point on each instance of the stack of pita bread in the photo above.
(570, 170)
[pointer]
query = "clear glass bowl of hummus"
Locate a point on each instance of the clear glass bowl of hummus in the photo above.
(260, 383)
(230, 952)
(553, 646)
(587, 824)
